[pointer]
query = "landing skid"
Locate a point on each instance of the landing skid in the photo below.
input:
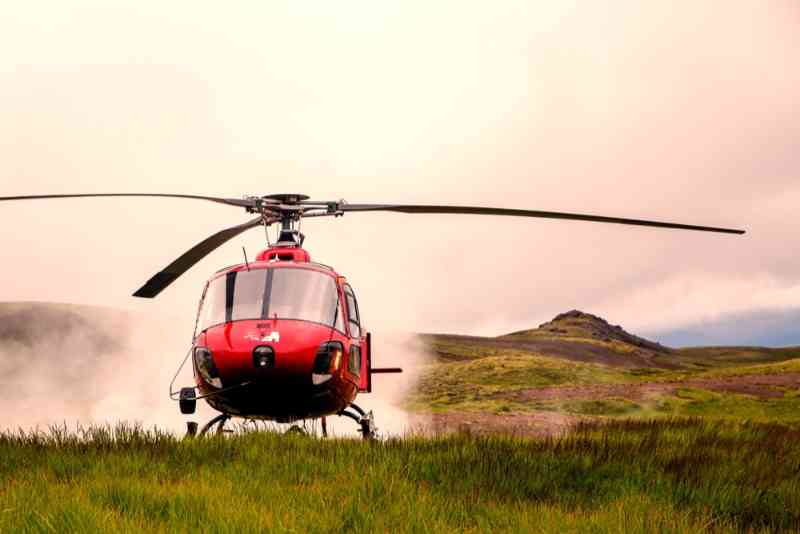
(365, 420)
(219, 421)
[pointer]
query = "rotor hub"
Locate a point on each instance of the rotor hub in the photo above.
(287, 198)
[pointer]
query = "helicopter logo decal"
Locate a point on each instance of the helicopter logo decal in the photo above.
(273, 337)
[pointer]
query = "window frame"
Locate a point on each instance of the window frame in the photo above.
(354, 357)
(350, 294)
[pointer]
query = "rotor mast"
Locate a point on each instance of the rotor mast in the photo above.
(288, 210)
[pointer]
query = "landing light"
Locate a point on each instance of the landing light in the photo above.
(204, 362)
(327, 362)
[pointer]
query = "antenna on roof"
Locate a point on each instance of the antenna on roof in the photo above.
(246, 263)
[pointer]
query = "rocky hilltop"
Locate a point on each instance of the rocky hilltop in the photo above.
(578, 324)
(573, 335)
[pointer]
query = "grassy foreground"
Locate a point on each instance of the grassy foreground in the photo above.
(634, 476)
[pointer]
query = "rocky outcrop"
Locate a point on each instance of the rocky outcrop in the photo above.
(576, 323)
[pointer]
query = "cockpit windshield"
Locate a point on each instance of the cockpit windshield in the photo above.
(286, 293)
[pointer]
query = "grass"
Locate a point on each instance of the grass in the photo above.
(727, 405)
(611, 407)
(474, 379)
(459, 348)
(668, 475)
(705, 357)
(788, 366)
(686, 402)
(470, 376)
(699, 402)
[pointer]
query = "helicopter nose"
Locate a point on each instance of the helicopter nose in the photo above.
(282, 350)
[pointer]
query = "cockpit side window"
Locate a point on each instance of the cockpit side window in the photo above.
(200, 308)
(213, 311)
(339, 325)
(352, 311)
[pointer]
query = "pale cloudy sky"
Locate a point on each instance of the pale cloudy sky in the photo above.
(673, 110)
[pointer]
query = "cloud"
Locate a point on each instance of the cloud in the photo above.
(680, 111)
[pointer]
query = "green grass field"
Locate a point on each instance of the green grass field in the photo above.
(670, 475)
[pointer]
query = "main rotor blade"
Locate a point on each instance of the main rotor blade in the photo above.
(229, 201)
(171, 272)
(478, 210)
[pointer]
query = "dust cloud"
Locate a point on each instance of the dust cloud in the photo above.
(64, 364)
(390, 349)
(78, 365)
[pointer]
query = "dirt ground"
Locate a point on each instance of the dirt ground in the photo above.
(761, 386)
(538, 424)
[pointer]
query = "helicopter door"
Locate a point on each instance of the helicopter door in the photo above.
(365, 381)
(360, 357)
(355, 357)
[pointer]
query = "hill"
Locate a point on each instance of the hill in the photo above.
(578, 366)
(575, 336)
(576, 324)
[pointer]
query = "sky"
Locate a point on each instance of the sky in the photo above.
(684, 111)
(762, 328)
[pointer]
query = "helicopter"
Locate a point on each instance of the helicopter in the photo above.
(281, 338)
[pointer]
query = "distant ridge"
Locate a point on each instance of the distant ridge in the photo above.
(579, 324)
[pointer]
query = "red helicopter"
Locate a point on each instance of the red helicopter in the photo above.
(281, 338)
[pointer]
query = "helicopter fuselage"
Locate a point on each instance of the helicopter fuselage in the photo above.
(280, 339)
